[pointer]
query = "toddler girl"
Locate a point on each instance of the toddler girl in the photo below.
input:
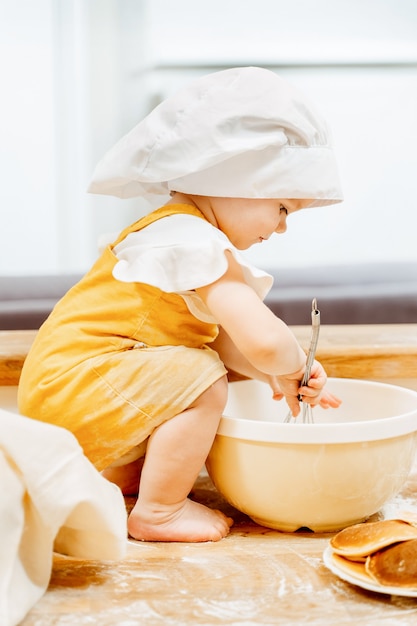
(134, 358)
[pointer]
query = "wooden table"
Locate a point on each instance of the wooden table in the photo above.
(379, 352)
(385, 352)
(255, 576)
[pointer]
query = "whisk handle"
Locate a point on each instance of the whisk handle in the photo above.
(315, 331)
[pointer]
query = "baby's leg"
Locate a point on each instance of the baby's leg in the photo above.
(176, 452)
(126, 477)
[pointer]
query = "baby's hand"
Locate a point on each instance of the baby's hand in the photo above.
(313, 393)
(287, 387)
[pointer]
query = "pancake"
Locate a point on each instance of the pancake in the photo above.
(360, 540)
(352, 568)
(395, 566)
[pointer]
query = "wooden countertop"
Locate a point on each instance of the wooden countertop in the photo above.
(375, 351)
(366, 351)
(255, 575)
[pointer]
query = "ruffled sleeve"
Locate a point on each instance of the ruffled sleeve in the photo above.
(180, 253)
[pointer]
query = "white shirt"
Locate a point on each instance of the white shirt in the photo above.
(180, 253)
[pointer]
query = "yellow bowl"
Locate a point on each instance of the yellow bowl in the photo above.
(322, 476)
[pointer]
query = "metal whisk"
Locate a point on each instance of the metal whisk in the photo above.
(306, 411)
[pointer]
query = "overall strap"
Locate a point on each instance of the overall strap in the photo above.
(165, 211)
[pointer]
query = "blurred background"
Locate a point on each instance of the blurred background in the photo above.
(78, 74)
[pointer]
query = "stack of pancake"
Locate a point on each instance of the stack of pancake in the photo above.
(383, 552)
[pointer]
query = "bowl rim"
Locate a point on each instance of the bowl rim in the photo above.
(334, 433)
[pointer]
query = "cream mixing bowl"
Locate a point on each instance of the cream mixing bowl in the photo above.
(323, 476)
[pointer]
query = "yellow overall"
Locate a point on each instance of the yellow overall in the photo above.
(114, 360)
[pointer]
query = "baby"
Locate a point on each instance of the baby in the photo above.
(134, 358)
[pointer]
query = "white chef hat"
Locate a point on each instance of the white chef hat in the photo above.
(242, 132)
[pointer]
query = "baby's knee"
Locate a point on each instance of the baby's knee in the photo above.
(215, 397)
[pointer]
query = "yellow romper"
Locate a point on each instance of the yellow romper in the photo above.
(115, 359)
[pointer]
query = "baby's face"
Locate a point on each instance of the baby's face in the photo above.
(249, 221)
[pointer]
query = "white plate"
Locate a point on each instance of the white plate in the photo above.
(371, 586)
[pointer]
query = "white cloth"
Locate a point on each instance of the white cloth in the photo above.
(51, 498)
(242, 132)
(180, 253)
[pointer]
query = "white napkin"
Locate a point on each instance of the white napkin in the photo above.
(51, 499)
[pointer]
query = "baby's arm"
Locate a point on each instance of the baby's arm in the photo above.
(263, 339)
(234, 359)
(265, 342)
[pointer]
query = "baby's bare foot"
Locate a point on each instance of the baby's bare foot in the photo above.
(192, 522)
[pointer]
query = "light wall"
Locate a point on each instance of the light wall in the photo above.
(81, 73)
